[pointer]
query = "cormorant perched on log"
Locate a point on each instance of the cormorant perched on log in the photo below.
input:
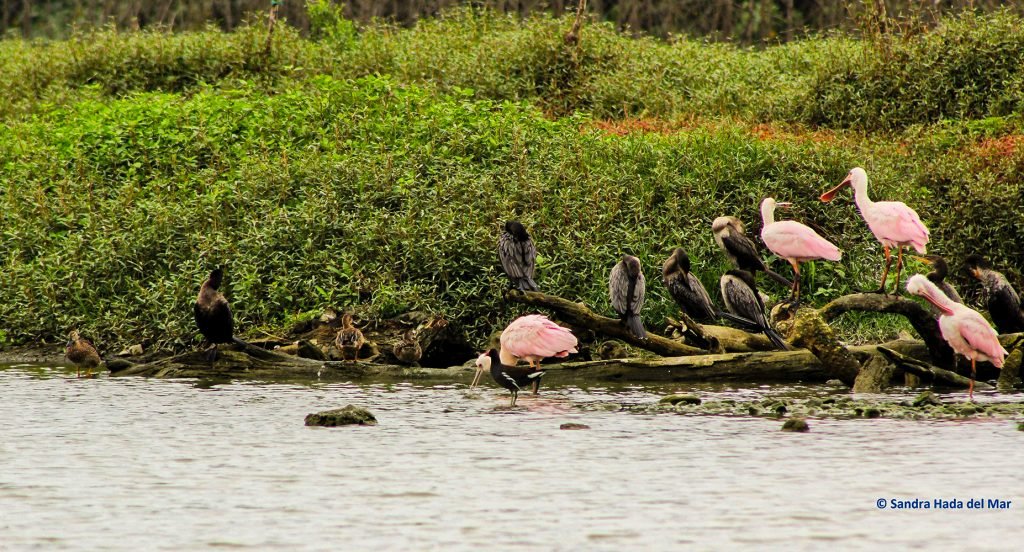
(686, 289)
(739, 291)
(938, 276)
(627, 289)
(1002, 300)
(731, 237)
(518, 256)
(213, 314)
(513, 378)
(408, 348)
(349, 339)
(82, 354)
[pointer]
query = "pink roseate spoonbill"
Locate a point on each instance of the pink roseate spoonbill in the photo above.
(518, 256)
(963, 328)
(940, 269)
(794, 242)
(1001, 299)
(741, 250)
(627, 289)
(532, 338)
(513, 378)
(892, 222)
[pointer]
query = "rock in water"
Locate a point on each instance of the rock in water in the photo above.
(796, 424)
(680, 399)
(926, 398)
(350, 415)
(573, 426)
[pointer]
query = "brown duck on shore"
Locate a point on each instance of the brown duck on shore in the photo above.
(408, 348)
(349, 339)
(82, 354)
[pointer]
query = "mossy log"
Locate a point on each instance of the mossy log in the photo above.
(927, 372)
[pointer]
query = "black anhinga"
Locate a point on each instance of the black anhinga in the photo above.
(518, 256)
(1002, 300)
(513, 378)
(731, 237)
(739, 291)
(213, 314)
(686, 289)
(627, 289)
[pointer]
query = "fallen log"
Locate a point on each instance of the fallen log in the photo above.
(580, 315)
(927, 372)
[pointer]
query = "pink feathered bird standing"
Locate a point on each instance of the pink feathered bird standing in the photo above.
(794, 242)
(533, 338)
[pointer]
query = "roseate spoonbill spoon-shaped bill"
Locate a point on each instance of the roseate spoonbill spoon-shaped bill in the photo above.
(1002, 300)
(892, 222)
(518, 256)
(731, 237)
(964, 329)
(513, 378)
(213, 313)
(739, 291)
(533, 338)
(627, 290)
(794, 242)
(82, 354)
(940, 269)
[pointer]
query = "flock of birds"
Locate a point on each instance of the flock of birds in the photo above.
(535, 337)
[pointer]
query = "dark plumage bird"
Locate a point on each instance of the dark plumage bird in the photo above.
(938, 275)
(731, 237)
(627, 289)
(518, 256)
(739, 291)
(82, 354)
(513, 378)
(349, 339)
(1002, 300)
(686, 289)
(408, 348)
(213, 314)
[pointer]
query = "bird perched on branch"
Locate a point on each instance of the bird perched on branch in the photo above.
(82, 354)
(349, 339)
(1001, 299)
(892, 222)
(731, 237)
(686, 289)
(794, 242)
(518, 256)
(213, 313)
(739, 291)
(963, 328)
(627, 289)
(513, 378)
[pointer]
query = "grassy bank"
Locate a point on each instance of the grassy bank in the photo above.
(373, 170)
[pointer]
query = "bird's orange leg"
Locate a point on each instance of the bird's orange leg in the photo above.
(885, 273)
(970, 389)
(794, 294)
(899, 267)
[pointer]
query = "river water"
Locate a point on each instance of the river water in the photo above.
(144, 464)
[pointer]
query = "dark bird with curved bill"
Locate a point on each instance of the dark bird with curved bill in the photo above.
(518, 256)
(1001, 299)
(731, 237)
(213, 314)
(627, 290)
(82, 354)
(940, 269)
(349, 339)
(739, 291)
(513, 378)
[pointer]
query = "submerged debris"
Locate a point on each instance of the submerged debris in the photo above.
(573, 426)
(796, 424)
(350, 415)
(926, 398)
(680, 399)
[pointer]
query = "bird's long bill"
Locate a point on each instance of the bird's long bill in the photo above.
(783, 204)
(931, 299)
(476, 377)
(922, 259)
(827, 196)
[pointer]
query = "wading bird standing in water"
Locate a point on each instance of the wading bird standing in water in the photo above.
(731, 237)
(963, 328)
(518, 256)
(892, 222)
(213, 314)
(627, 289)
(1002, 300)
(513, 378)
(794, 242)
(82, 354)
(532, 338)
(739, 291)
(349, 339)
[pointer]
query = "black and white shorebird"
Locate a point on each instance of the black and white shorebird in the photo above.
(731, 237)
(513, 378)
(739, 291)
(1002, 300)
(518, 256)
(627, 290)
(213, 313)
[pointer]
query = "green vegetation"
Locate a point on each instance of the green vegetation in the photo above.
(372, 170)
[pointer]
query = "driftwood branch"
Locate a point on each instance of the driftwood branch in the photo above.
(572, 38)
(578, 314)
(919, 317)
(927, 372)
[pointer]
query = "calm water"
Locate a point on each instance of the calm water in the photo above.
(139, 464)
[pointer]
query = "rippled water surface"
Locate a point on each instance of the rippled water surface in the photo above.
(141, 464)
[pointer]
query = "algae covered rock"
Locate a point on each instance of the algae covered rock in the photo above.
(926, 398)
(796, 424)
(571, 426)
(680, 399)
(350, 415)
